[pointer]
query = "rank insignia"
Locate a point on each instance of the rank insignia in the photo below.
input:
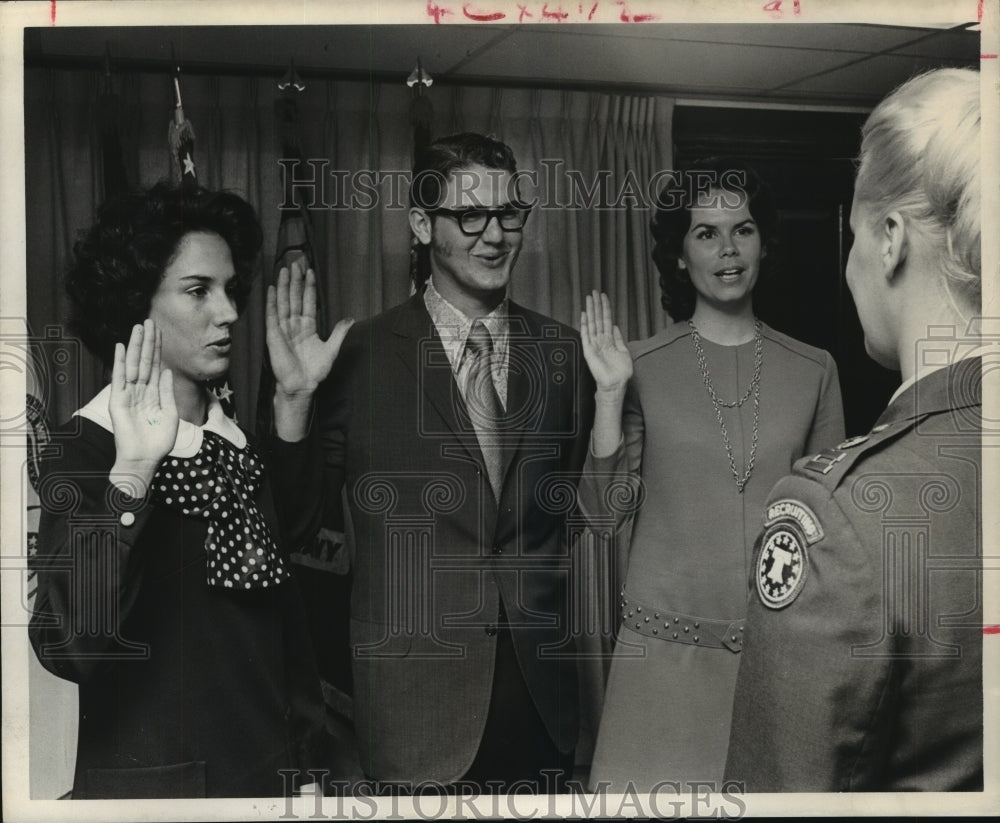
(781, 566)
(851, 442)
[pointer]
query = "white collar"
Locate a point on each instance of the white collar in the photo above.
(453, 325)
(189, 436)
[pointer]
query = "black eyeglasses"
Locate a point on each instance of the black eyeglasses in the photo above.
(473, 221)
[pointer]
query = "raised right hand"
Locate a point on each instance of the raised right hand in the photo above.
(604, 348)
(143, 412)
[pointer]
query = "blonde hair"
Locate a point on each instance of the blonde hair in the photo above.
(920, 156)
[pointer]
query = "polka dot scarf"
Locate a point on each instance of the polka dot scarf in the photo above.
(218, 484)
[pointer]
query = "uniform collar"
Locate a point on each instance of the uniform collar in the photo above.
(189, 436)
(956, 386)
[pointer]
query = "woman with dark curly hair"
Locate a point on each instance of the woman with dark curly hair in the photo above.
(700, 420)
(163, 585)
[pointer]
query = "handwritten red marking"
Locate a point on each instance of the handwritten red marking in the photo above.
(524, 13)
(626, 17)
(558, 15)
(435, 11)
(593, 10)
(991, 629)
(798, 7)
(52, 12)
(987, 57)
(979, 11)
(772, 5)
(482, 16)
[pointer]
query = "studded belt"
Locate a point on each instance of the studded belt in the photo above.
(664, 624)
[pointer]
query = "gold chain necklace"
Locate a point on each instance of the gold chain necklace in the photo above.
(718, 403)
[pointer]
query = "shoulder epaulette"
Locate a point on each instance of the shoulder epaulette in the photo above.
(829, 466)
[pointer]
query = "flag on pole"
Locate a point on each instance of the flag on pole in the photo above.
(180, 137)
(323, 568)
(421, 117)
(294, 241)
(180, 133)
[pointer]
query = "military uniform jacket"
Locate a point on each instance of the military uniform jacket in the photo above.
(862, 661)
(434, 553)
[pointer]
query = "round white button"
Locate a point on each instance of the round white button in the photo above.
(127, 519)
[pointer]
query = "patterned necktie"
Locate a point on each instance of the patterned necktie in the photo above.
(483, 403)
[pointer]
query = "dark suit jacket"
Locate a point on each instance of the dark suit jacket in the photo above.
(433, 552)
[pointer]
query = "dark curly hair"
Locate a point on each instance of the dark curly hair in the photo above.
(119, 262)
(672, 220)
(431, 169)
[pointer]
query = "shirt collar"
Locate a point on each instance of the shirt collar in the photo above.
(453, 325)
(189, 436)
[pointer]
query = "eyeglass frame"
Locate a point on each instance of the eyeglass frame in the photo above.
(458, 215)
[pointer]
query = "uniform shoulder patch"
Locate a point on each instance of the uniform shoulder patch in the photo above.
(800, 513)
(783, 561)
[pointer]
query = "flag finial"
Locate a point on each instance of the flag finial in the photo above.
(291, 78)
(419, 78)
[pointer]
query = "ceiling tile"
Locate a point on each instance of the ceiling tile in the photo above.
(946, 45)
(873, 77)
(672, 63)
(857, 37)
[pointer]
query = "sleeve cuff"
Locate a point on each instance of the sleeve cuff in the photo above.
(608, 462)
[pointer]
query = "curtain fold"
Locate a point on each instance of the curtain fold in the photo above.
(572, 140)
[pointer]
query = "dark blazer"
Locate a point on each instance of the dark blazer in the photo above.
(434, 554)
(185, 690)
(862, 660)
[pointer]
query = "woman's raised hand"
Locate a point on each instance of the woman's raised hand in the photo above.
(143, 412)
(300, 359)
(604, 348)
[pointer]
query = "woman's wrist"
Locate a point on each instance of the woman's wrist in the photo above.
(291, 414)
(293, 397)
(133, 476)
(610, 396)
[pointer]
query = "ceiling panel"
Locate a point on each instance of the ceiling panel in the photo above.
(946, 45)
(783, 62)
(673, 63)
(874, 77)
(857, 37)
(385, 48)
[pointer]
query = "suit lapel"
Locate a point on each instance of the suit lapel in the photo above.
(418, 345)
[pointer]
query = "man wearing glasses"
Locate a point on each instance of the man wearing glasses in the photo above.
(456, 423)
